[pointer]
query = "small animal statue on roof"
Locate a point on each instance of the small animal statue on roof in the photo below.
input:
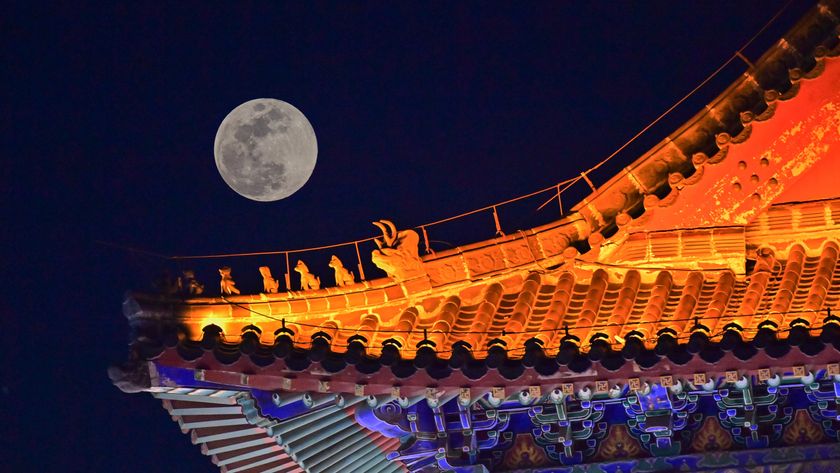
(187, 284)
(228, 286)
(308, 281)
(343, 276)
(270, 285)
(397, 254)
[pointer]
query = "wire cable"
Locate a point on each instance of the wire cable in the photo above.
(559, 187)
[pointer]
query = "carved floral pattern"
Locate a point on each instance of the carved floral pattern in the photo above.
(484, 261)
(446, 271)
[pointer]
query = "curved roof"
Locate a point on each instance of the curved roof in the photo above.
(671, 238)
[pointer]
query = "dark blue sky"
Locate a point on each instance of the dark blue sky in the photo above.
(421, 112)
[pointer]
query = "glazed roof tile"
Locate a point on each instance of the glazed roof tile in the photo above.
(668, 319)
(652, 274)
(639, 265)
(788, 280)
(670, 269)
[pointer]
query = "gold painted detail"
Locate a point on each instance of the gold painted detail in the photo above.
(618, 444)
(711, 437)
(525, 454)
(803, 430)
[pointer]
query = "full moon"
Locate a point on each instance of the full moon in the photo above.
(265, 150)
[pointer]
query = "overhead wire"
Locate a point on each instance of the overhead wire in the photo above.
(559, 187)
(737, 54)
(365, 240)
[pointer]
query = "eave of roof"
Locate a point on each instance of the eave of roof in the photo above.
(231, 428)
(785, 402)
(709, 135)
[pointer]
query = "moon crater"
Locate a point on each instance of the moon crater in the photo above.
(265, 150)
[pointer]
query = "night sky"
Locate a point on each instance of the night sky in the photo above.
(421, 112)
